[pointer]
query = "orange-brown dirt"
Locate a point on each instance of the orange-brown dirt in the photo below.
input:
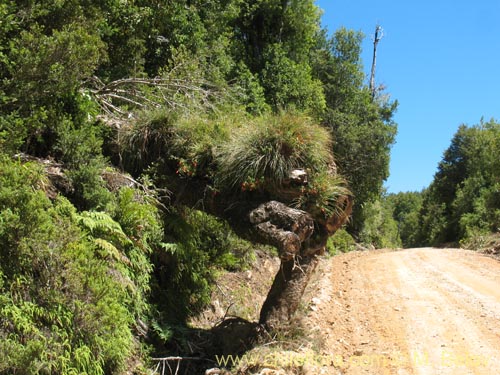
(415, 311)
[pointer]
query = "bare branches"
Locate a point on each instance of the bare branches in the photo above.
(118, 98)
(379, 34)
(164, 363)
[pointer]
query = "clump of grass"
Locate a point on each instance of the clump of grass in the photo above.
(238, 153)
(152, 135)
(267, 149)
(169, 135)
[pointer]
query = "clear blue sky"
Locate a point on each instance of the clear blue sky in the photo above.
(440, 59)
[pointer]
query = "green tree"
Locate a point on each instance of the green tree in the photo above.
(380, 229)
(463, 196)
(406, 211)
(288, 84)
(362, 128)
(274, 39)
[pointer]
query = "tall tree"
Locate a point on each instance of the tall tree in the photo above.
(463, 196)
(362, 128)
(406, 209)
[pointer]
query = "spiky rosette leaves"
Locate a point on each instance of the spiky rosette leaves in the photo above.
(327, 199)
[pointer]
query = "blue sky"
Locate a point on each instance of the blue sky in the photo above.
(440, 59)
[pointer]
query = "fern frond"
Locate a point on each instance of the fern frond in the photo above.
(101, 224)
(111, 251)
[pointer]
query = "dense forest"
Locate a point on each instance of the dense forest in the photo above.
(129, 131)
(141, 142)
(462, 204)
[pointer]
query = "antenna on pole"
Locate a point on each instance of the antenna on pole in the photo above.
(379, 34)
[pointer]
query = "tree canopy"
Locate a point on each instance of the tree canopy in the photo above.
(141, 140)
(362, 128)
(463, 198)
(461, 205)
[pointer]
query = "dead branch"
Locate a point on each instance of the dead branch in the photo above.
(164, 363)
(141, 93)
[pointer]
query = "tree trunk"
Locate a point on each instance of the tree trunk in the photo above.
(376, 39)
(287, 290)
(299, 237)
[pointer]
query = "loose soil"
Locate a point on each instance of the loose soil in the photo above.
(415, 311)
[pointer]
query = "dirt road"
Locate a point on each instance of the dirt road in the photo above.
(415, 311)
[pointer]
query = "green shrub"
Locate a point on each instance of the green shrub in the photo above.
(340, 242)
(72, 283)
(214, 237)
(380, 229)
(181, 286)
(253, 93)
(200, 244)
(89, 189)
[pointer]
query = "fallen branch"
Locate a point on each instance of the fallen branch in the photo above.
(141, 93)
(164, 363)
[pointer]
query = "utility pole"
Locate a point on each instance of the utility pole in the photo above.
(379, 33)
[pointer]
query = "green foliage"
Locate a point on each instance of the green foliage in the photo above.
(463, 198)
(324, 196)
(182, 278)
(200, 244)
(177, 140)
(288, 84)
(54, 51)
(78, 139)
(12, 133)
(266, 22)
(139, 218)
(337, 63)
(43, 252)
(89, 190)
(340, 242)
(406, 209)
(266, 150)
(481, 240)
(78, 272)
(144, 141)
(237, 153)
(59, 60)
(216, 239)
(362, 129)
(380, 229)
(253, 98)
(73, 284)
(44, 63)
